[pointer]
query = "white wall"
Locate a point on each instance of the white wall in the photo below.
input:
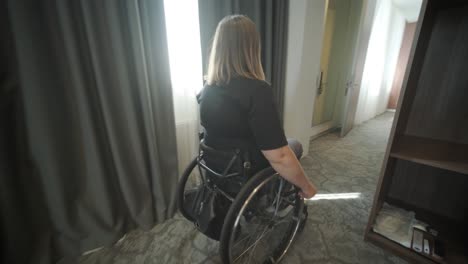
(305, 31)
(409, 8)
(381, 59)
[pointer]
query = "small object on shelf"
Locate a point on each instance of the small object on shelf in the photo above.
(427, 249)
(417, 243)
(432, 231)
(420, 225)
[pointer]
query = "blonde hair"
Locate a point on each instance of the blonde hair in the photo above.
(235, 51)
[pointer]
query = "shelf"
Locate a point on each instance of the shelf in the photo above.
(397, 249)
(431, 152)
(451, 233)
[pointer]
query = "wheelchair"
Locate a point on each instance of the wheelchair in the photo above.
(255, 218)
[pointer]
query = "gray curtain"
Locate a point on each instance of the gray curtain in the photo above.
(98, 149)
(271, 18)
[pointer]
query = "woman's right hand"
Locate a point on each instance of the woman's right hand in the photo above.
(308, 192)
(285, 162)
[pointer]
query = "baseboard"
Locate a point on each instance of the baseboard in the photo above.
(323, 133)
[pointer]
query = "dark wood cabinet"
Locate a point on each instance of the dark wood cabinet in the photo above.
(425, 169)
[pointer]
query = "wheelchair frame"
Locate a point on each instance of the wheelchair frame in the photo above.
(241, 199)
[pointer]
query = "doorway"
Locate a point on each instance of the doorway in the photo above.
(341, 28)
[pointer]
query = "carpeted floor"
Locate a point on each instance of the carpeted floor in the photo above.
(345, 171)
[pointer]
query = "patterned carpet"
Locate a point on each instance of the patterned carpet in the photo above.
(340, 167)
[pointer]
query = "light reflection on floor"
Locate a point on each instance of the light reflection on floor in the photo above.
(335, 196)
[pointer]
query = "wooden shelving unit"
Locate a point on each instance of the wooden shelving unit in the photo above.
(425, 169)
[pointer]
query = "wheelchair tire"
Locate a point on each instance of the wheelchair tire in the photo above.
(232, 226)
(181, 189)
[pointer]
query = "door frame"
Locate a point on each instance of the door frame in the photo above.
(346, 99)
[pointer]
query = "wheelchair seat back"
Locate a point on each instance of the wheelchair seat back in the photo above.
(228, 169)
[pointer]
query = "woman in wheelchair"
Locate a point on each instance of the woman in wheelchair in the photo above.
(246, 187)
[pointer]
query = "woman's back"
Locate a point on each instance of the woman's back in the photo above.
(241, 113)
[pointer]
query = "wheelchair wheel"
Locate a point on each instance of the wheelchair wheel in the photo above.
(190, 180)
(262, 221)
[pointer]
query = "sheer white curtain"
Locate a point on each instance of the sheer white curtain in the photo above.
(183, 36)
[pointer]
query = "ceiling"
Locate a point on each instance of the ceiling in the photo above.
(409, 8)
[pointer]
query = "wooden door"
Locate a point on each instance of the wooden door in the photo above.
(402, 62)
(358, 48)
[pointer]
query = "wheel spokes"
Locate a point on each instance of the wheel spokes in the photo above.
(275, 211)
(252, 246)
